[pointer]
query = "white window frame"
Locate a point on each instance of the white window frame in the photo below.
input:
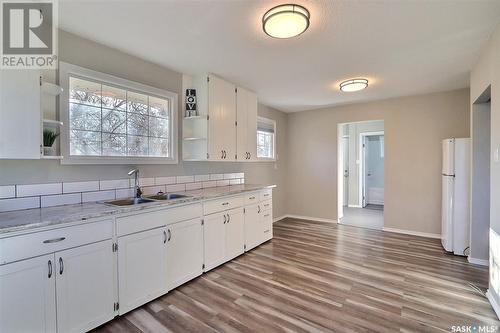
(66, 71)
(275, 154)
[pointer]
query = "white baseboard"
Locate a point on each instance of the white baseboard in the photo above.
(310, 218)
(482, 262)
(413, 233)
(493, 302)
(279, 218)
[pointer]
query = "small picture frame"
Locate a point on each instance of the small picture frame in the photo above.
(191, 107)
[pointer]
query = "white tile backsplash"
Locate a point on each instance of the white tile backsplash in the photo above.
(19, 203)
(98, 196)
(114, 184)
(73, 187)
(61, 199)
(7, 191)
(17, 197)
(193, 186)
(176, 188)
(38, 189)
(185, 179)
(165, 180)
(201, 178)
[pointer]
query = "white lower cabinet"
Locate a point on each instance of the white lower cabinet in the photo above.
(184, 252)
(28, 295)
(235, 233)
(85, 286)
(142, 268)
(253, 226)
(214, 233)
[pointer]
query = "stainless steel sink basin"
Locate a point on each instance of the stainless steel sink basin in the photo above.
(128, 202)
(167, 196)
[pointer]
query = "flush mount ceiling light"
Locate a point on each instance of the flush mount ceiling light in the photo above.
(285, 21)
(354, 85)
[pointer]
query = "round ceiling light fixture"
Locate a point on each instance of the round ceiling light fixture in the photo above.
(285, 21)
(354, 85)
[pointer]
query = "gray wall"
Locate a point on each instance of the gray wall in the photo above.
(414, 127)
(82, 52)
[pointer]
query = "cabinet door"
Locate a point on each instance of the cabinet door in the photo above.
(267, 225)
(251, 126)
(222, 122)
(235, 233)
(246, 114)
(184, 252)
(85, 280)
(253, 226)
(142, 268)
(214, 234)
(28, 296)
(20, 114)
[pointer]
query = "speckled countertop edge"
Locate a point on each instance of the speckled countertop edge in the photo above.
(29, 219)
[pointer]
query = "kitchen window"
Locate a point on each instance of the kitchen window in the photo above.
(115, 121)
(266, 145)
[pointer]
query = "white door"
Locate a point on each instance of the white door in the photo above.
(214, 234)
(20, 114)
(28, 296)
(142, 268)
(448, 157)
(345, 152)
(235, 233)
(222, 121)
(184, 252)
(447, 212)
(253, 226)
(85, 280)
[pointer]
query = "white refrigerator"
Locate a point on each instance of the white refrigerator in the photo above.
(455, 197)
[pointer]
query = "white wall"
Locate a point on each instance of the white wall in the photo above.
(484, 74)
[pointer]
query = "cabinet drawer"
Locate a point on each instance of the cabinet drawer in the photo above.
(222, 204)
(267, 225)
(145, 221)
(252, 198)
(266, 194)
(39, 243)
(267, 205)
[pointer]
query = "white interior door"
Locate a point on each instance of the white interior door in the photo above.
(142, 268)
(374, 172)
(184, 252)
(345, 170)
(85, 279)
(28, 296)
(235, 233)
(447, 203)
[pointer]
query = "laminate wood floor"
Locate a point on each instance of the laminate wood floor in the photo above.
(320, 277)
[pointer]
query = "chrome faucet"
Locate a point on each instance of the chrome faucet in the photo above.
(137, 189)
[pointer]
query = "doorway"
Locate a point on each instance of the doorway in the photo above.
(361, 174)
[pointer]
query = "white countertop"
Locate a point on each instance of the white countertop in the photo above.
(42, 217)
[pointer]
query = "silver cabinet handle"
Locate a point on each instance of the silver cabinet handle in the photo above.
(225, 203)
(169, 235)
(251, 198)
(50, 268)
(266, 231)
(266, 195)
(258, 206)
(266, 205)
(222, 154)
(225, 219)
(61, 266)
(249, 155)
(54, 240)
(164, 237)
(266, 215)
(228, 218)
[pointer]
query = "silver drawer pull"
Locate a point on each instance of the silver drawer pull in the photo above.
(266, 205)
(251, 198)
(266, 215)
(225, 203)
(266, 231)
(266, 195)
(54, 240)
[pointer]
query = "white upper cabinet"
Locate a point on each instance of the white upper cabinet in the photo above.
(20, 115)
(246, 116)
(85, 280)
(27, 295)
(225, 126)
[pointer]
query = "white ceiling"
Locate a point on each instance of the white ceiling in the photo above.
(404, 47)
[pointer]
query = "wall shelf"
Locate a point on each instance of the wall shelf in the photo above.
(43, 157)
(195, 117)
(52, 123)
(193, 139)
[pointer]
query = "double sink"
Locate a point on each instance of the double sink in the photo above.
(151, 198)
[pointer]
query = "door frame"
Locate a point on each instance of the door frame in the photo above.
(362, 164)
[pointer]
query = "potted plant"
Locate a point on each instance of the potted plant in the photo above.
(49, 137)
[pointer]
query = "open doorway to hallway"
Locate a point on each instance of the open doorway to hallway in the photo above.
(361, 174)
